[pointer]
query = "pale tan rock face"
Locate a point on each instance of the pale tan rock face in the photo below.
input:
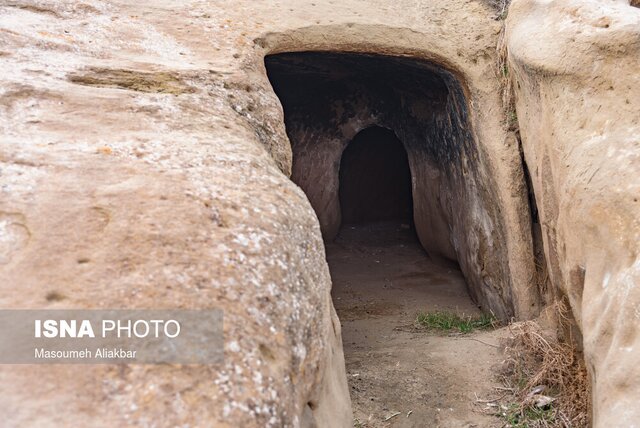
(577, 81)
(130, 179)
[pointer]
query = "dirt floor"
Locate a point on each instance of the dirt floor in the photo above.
(381, 280)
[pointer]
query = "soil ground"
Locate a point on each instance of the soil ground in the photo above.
(382, 279)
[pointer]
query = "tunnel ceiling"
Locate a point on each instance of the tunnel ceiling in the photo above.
(300, 75)
(422, 102)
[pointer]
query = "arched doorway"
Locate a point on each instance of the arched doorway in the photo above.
(375, 179)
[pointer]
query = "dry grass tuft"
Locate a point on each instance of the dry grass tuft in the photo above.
(547, 378)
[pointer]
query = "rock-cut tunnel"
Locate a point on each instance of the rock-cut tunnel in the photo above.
(378, 138)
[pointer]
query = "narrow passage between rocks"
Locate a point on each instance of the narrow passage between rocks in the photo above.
(382, 279)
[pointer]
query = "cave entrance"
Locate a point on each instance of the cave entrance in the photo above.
(375, 180)
(383, 150)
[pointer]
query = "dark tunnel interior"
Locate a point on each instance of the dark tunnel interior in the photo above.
(375, 180)
(330, 97)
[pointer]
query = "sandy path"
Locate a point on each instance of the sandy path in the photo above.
(382, 279)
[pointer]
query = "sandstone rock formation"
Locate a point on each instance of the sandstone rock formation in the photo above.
(144, 163)
(131, 179)
(577, 89)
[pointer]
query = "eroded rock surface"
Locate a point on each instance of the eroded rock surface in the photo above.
(133, 176)
(577, 85)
